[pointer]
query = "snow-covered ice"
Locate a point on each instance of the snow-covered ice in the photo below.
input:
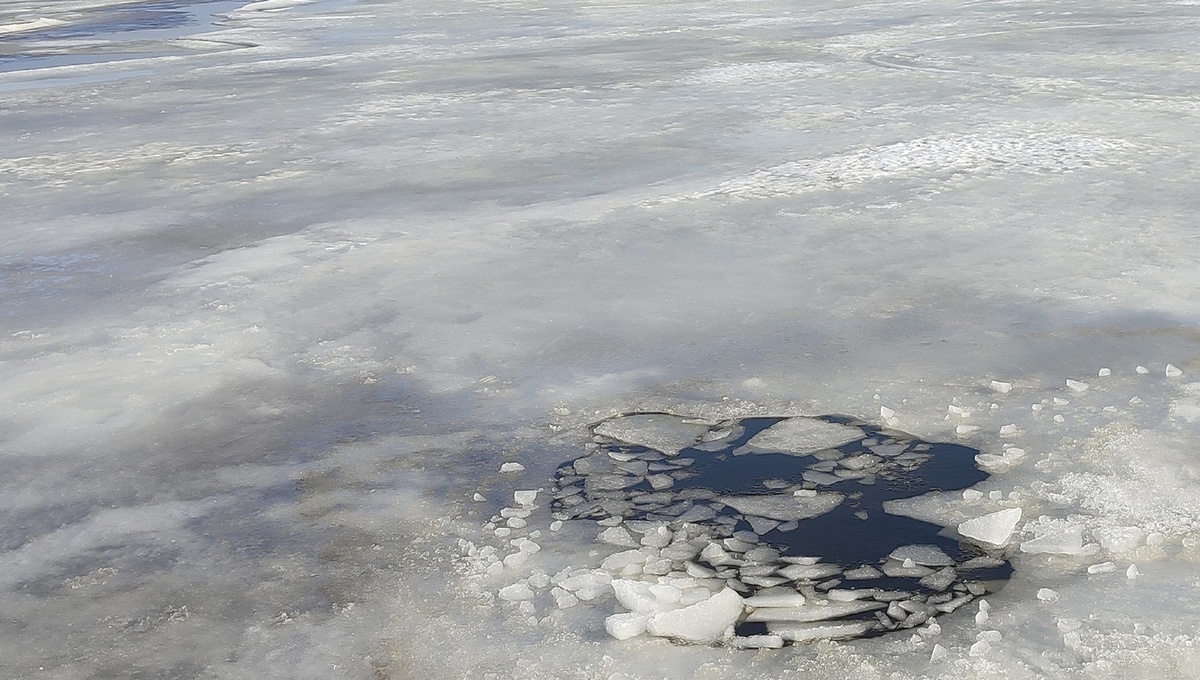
(295, 297)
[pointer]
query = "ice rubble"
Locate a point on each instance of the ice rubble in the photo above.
(699, 566)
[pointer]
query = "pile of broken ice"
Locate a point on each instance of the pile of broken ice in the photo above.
(687, 572)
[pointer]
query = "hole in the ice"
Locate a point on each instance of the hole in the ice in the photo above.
(788, 512)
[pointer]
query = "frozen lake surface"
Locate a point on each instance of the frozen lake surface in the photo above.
(302, 315)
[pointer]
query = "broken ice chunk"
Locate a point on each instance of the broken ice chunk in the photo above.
(1077, 386)
(940, 580)
(1068, 541)
(939, 654)
(703, 622)
(925, 555)
(511, 467)
(1001, 387)
(1102, 568)
(804, 435)
(1104, 372)
(1142, 370)
(639, 596)
(776, 597)
(761, 525)
(660, 482)
(662, 432)
(808, 632)
(785, 508)
(1047, 595)
(617, 536)
(716, 556)
(905, 569)
(993, 529)
(811, 613)
(797, 572)
(757, 642)
(478, 498)
(1173, 371)
(863, 573)
(965, 429)
(525, 498)
(516, 592)
(625, 626)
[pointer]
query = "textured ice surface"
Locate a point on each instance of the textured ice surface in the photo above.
(278, 299)
(993, 528)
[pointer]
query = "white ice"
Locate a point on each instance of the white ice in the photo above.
(277, 300)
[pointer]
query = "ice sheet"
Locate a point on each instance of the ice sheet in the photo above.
(276, 307)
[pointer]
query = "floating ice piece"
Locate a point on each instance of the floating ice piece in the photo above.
(525, 498)
(1142, 370)
(808, 632)
(1132, 572)
(1077, 386)
(1102, 568)
(784, 508)
(1001, 387)
(556, 525)
(863, 573)
(809, 572)
(992, 529)
(1068, 541)
(1059, 419)
(905, 569)
(617, 536)
(697, 513)
(924, 555)
(940, 580)
(703, 622)
(1118, 540)
(478, 498)
(1104, 372)
(761, 525)
(804, 435)
(965, 429)
(939, 653)
(625, 626)
(886, 413)
(1173, 371)
(1059, 401)
(999, 462)
(662, 432)
(810, 613)
(776, 597)
(660, 482)
(757, 642)
(512, 467)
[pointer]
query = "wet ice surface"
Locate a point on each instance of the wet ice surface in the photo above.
(105, 31)
(282, 325)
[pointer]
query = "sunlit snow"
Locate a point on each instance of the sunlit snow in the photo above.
(304, 304)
